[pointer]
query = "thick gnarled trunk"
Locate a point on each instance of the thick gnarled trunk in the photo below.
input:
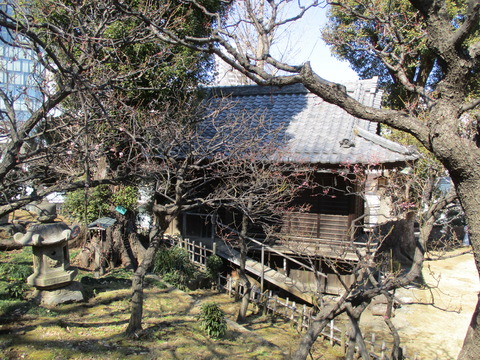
(468, 193)
(135, 322)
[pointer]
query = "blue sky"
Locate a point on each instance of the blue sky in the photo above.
(302, 42)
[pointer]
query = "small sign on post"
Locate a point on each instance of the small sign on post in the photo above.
(120, 209)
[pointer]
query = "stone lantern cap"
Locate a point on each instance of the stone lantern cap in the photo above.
(44, 234)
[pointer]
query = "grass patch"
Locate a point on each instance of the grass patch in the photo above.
(95, 329)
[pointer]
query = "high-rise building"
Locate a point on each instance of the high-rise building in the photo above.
(20, 79)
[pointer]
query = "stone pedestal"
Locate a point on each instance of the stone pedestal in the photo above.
(73, 292)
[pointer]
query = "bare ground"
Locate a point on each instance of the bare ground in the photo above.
(433, 322)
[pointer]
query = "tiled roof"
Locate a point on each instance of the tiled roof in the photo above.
(317, 131)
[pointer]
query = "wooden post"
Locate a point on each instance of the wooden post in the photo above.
(382, 355)
(331, 332)
(214, 250)
(373, 343)
(204, 252)
(262, 278)
(304, 314)
(294, 308)
(184, 224)
(229, 286)
(214, 225)
(265, 299)
(300, 319)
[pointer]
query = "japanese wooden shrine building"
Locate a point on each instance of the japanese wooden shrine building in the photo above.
(325, 136)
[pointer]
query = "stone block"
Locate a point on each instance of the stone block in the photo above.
(68, 294)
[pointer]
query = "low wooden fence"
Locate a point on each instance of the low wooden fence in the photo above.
(198, 253)
(300, 314)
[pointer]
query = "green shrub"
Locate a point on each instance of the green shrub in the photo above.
(16, 289)
(13, 277)
(214, 264)
(126, 196)
(14, 271)
(174, 265)
(101, 201)
(98, 203)
(212, 320)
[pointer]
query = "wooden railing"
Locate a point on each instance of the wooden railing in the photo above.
(198, 253)
(264, 247)
(316, 226)
(313, 234)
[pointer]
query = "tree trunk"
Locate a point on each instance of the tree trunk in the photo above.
(471, 345)
(117, 252)
(326, 314)
(122, 243)
(468, 194)
(397, 351)
(135, 322)
(309, 339)
(242, 313)
(356, 337)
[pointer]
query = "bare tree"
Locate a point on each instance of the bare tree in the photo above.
(50, 146)
(87, 61)
(206, 161)
(436, 126)
(257, 194)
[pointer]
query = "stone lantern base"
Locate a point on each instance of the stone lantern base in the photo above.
(73, 292)
(52, 279)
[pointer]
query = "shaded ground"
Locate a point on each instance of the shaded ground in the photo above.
(94, 330)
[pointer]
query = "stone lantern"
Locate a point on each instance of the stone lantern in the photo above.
(52, 276)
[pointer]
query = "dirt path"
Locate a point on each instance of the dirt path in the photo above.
(436, 332)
